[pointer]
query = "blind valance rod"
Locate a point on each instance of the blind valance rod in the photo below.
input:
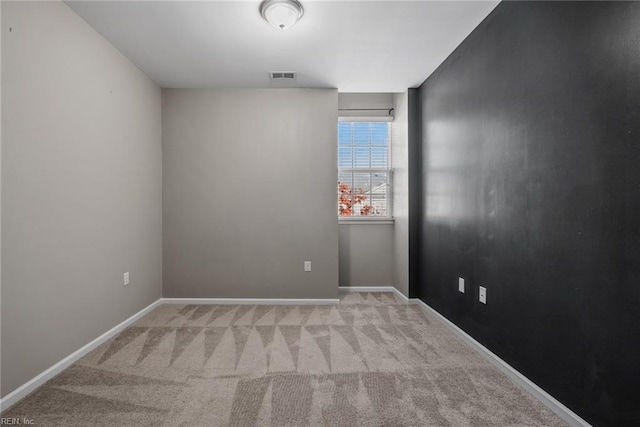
(389, 110)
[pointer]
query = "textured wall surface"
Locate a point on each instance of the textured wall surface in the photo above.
(81, 187)
(249, 179)
(532, 190)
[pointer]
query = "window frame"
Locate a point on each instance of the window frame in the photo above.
(369, 219)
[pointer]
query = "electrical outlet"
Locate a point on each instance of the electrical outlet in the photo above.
(126, 279)
(461, 284)
(307, 266)
(483, 295)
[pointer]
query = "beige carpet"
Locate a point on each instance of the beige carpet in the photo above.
(370, 361)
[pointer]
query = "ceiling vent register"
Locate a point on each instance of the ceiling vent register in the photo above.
(283, 75)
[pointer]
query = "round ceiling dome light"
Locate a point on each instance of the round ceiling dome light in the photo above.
(281, 14)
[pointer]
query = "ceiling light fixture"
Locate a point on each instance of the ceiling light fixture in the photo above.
(281, 14)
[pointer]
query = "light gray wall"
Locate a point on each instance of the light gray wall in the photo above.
(399, 153)
(1, 32)
(81, 187)
(366, 250)
(358, 101)
(250, 193)
(366, 254)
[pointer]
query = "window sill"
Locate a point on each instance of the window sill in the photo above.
(360, 221)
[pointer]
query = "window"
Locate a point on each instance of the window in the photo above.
(364, 172)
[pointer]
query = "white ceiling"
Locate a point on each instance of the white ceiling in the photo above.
(352, 45)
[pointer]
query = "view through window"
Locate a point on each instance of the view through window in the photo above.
(364, 169)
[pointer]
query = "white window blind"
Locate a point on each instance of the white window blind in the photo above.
(364, 170)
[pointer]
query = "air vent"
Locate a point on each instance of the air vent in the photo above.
(283, 75)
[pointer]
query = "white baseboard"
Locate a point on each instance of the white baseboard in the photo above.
(25, 389)
(549, 401)
(250, 301)
(386, 288)
(28, 387)
(393, 289)
(554, 405)
(400, 295)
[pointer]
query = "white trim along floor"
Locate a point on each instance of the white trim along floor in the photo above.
(554, 405)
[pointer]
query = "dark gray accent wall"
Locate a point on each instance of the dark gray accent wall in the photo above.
(414, 152)
(531, 188)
